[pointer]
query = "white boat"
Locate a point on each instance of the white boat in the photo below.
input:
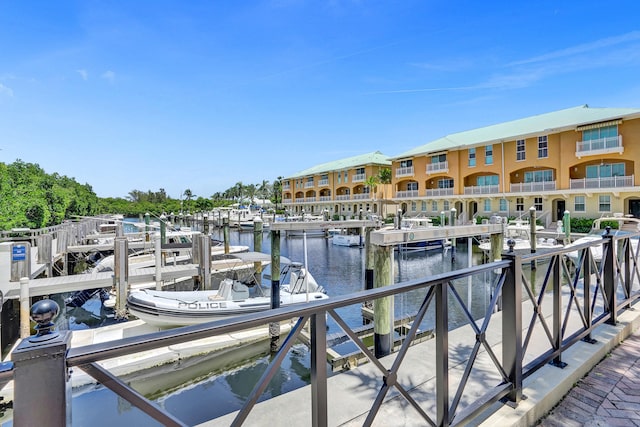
(519, 231)
(346, 239)
(232, 298)
(420, 223)
(626, 224)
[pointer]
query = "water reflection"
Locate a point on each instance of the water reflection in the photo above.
(198, 393)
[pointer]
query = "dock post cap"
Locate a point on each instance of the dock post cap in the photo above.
(512, 244)
(43, 313)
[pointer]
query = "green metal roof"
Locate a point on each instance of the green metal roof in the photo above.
(554, 122)
(375, 158)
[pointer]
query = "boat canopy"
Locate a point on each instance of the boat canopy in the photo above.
(258, 257)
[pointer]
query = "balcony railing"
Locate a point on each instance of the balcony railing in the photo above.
(325, 198)
(343, 197)
(481, 189)
(360, 177)
(607, 182)
(533, 186)
(310, 199)
(438, 167)
(323, 183)
(407, 193)
(437, 192)
(286, 186)
(406, 171)
(309, 184)
(285, 201)
(361, 196)
(610, 144)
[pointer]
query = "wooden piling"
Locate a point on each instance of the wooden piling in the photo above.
(383, 307)
(257, 247)
(274, 327)
(225, 233)
(121, 275)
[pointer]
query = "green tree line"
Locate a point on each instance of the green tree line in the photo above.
(30, 197)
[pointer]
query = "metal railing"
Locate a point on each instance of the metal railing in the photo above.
(404, 171)
(610, 144)
(437, 167)
(576, 283)
(602, 182)
(533, 186)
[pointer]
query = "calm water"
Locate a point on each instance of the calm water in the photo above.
(201, 392)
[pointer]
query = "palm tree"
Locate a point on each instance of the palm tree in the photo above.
(188, 195)
(372, 183)
(384, 177)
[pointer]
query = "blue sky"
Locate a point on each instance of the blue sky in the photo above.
(143, 95)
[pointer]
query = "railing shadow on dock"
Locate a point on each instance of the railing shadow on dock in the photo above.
(528, 324)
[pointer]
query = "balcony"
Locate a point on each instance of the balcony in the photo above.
(481, 189)
(437, 192)
(309, 184)
(611, 144)
(286, 201)
(286, 186)
(325, 198)
(323, 183)
(406, 193)
(361, 196)
(533, 186)
(438, 167)
(309, 199)
(343, 197)
(360, 177)
(606, 182)
(405, 171)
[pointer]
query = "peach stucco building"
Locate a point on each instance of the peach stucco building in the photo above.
(579, 159)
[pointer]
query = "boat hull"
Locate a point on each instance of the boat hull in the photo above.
(171, 309)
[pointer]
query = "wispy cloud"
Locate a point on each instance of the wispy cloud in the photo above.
(581, 48)
(5, 90)
(109, 76)
(611, 52)
(84, 74)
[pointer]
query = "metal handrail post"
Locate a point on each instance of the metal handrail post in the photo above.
(512, 324)
(319, 370)
(442, 355)
(557, 312)
(42, 394)
(608, 276)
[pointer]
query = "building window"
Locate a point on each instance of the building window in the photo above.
(445, 183)
(578, 204)
(600, 133)
(488, 155)
(424, 206)
(413, 206)
(605, 170)
(545, 175)
(487, 205)
(339, 177)
(503, 205)
(520, 150)
(434, 206)
(406, 163)
(520, 204)
(412, 186)
(472, 156)
(604, 203)
(439, 158)
(543, 151)
(537, 203)
(445, 205)
(487, 180)
(346, 176)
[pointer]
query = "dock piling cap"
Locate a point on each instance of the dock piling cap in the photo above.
(43, 313)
